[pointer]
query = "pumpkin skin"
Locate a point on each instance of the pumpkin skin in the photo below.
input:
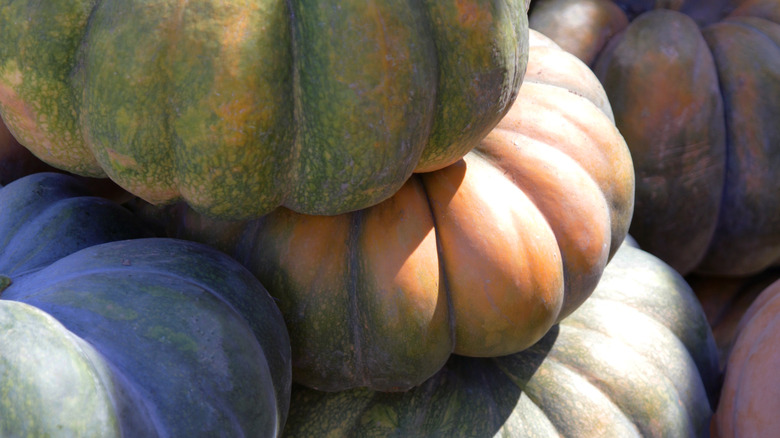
(140, 337)
(725, 300)
(749, 399)
(636, 359)
(16, 161)
(323, 107)
(480, 258)
(692, 87)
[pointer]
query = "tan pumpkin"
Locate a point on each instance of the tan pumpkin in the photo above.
(480, 258)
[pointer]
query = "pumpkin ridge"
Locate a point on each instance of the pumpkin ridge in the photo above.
(444, 278)
(295, 144)
(52, 211)
(353, 283)
(758, 342)
(63, 190)
(559, 368)
(628, 405)
(733, 193)
(123, 395)
(554, 361)
(657, 327)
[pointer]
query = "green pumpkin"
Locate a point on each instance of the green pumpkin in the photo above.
(239, 107)
(636, 359)
(693, 85)
(138, 337)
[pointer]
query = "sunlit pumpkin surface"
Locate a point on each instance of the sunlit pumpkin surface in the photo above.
(239, 107)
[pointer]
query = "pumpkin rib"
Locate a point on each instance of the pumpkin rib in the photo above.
(44, 220)
(444, 277)
(756, 323)
(67, 188)
(351, 285)
(622, 397)
(563, 371)
(744, 227)
(600, 167)
(129, 398)
(686, 390)
(565, 193)
(763, 343)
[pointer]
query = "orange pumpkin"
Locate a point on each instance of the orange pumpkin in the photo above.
(480, 258)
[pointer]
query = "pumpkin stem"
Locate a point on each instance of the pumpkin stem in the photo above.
(5, 281)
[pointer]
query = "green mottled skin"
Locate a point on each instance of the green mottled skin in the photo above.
(636, 359)
(33, 346)
(471, 81)
(39, 50)
(323, 107)
(137, 322)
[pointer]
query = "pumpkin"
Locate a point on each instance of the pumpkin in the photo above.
(239, 107)
(636, 359)
(139, 337)
(480, 258)
(694, 86)
(749, 399)
(16, 161)
(725, 300)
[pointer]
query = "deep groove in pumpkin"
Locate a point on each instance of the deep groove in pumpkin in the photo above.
(442, 269)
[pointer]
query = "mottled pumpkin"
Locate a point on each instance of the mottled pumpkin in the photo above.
(750, 397)
(239, 107)
(16, 161)
(637, 359)
(480, 258)
(694, 86)
(104, 332)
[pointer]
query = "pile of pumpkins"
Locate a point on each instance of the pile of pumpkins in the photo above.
(372, 218)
